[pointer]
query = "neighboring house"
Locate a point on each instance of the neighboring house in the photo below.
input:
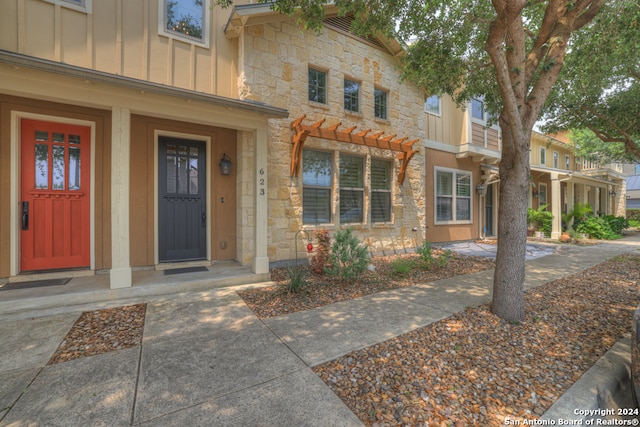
(461, 180)
(361, 164)
(560, 180)
(633, 192)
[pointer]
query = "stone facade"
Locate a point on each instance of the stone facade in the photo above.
(273, 68)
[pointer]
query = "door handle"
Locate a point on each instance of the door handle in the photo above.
(25, 215)
(204, 219)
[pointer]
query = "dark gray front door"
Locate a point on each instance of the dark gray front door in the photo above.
(182, 205)
(488, 209)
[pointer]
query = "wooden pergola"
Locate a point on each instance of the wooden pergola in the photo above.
(302, 131)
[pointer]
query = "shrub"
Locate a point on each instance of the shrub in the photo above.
(426, 255)
(297, 279)
(596, 228)
(633, 223)
(319, 260)
(617, 223)
(540, 219)
(580, 212)
(348, 258)
(402, 267)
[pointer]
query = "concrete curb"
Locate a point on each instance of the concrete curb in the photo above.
(599, 392)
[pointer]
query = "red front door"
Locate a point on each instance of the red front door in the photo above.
(55, 204)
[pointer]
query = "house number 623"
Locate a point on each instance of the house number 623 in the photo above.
(261, 181)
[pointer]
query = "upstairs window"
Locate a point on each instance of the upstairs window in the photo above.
(186, 20)
(79, 5)
(432, 105)
(543, 156)
(351, 96)
(380, 103)
(556, 160)
(567, 162)
(477, 109)
(317, 86)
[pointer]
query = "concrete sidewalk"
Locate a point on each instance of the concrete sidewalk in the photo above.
(207, 360)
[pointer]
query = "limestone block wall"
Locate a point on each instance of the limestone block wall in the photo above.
(273, 68)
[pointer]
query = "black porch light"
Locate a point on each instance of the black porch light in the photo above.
(225, 165)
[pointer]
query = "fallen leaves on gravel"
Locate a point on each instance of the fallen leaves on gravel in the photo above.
(474, 369)
(324, 289)
(101, 331)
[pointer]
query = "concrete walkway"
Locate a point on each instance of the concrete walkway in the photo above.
(207, 360)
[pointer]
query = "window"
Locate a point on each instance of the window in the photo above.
(351, 96)
(555, 160)
(380, 190)
(567, 162)
(477, 109)
(432, 105)
(542, 195)
(380, 103)
(186, 20)
(316, 187)
(351, 188)
(543, 156)
(317, 86)
(79, 5)
(453, 196)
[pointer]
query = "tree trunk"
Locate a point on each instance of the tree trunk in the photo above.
(508, 281)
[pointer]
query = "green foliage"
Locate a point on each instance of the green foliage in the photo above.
(348, 258)
(540, 219)
(402, 267)
(580, 212)
(605, 227)
(428, 258)
(586, 144)
(633, 223)
(297, 279)
(633, 214)
(319, 260)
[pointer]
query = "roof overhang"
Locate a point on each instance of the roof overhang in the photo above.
(479, 154)
(19, 60)
(575, 177)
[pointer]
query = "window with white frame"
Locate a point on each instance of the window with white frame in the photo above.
(556, 160)
(477, 109)
(79, 5)
(567, 162)
(317, 86)
(186, 20)
(542, 194)
(351, 96)
(351, 188)
(380, 204)
(432, 105)
(543, 156)
(380, 103)
(453, 196)
(317, 173)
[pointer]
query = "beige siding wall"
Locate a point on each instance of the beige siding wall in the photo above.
(449, 127)
(274, 69)
(121, 37)
(539, 141)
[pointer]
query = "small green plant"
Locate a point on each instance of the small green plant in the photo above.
(319, 260)
(633, 223)
(443, 259)
(297, 279)
(426, 254)
(402, 267)
(597, 227)
(348, 258)
(540, 219)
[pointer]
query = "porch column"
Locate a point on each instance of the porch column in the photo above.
(570, 201)
(556, 206)
(120, 276)
(261, 259)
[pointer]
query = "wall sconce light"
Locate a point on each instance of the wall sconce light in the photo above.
(480, 189)
(535, 194)
(225, 165)
(628, 197)
(612, 193)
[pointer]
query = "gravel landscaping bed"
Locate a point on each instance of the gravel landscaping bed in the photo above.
(473, 369)
(101, 331)
(321, 290)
